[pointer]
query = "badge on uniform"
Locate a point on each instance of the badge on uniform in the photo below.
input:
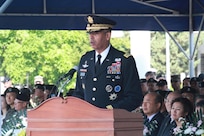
(117, 88)
(113, 96)
(109, 88)
(117, 77)
(85, 65)
(83, 86)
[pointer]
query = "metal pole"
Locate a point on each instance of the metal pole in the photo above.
(168, 73)
(180, 47)
(191, 45)
(93, 6)
(5, 5)
(0, 117)
(44, 7)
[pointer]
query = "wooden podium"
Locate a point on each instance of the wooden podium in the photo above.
(75, 117)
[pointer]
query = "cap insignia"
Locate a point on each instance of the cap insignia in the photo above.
(90, 19)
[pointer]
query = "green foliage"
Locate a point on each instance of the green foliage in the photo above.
(178, 61)
(46, 53)
(122, 43)
(27, 53)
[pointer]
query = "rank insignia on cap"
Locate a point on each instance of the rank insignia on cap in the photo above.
(90, 19)
(98, 23)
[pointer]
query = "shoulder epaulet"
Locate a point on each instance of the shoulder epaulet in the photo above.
(86, 53)
(126, 55)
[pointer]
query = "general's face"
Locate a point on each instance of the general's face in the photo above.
(177, 111)
(149, 105)
(99, 40)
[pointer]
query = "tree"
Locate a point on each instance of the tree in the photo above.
(27, 53)
(178, 61)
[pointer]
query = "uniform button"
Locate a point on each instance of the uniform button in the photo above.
(113, 80)
(94, 89)
(95, 79)
(93, 98)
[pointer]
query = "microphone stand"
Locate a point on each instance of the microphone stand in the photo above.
(62, 85)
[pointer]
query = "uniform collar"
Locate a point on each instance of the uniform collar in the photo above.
(103, 54)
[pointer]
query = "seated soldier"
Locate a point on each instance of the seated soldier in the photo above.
(10, 94)
(176, 82)
(199, 107)
(38, 96)
(152, 85)
(162, 85)
(18, 122)
(189, 93)
(144, 87)
(22, 99)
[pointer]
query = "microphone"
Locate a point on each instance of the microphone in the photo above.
(68, 76)
(70, 73)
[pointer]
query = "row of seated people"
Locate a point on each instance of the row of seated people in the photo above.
(165, 112)
(15, 102)
(152, 83)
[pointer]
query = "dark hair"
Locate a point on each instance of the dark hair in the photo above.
(187, 105)
(150, 73)
(158, 97)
